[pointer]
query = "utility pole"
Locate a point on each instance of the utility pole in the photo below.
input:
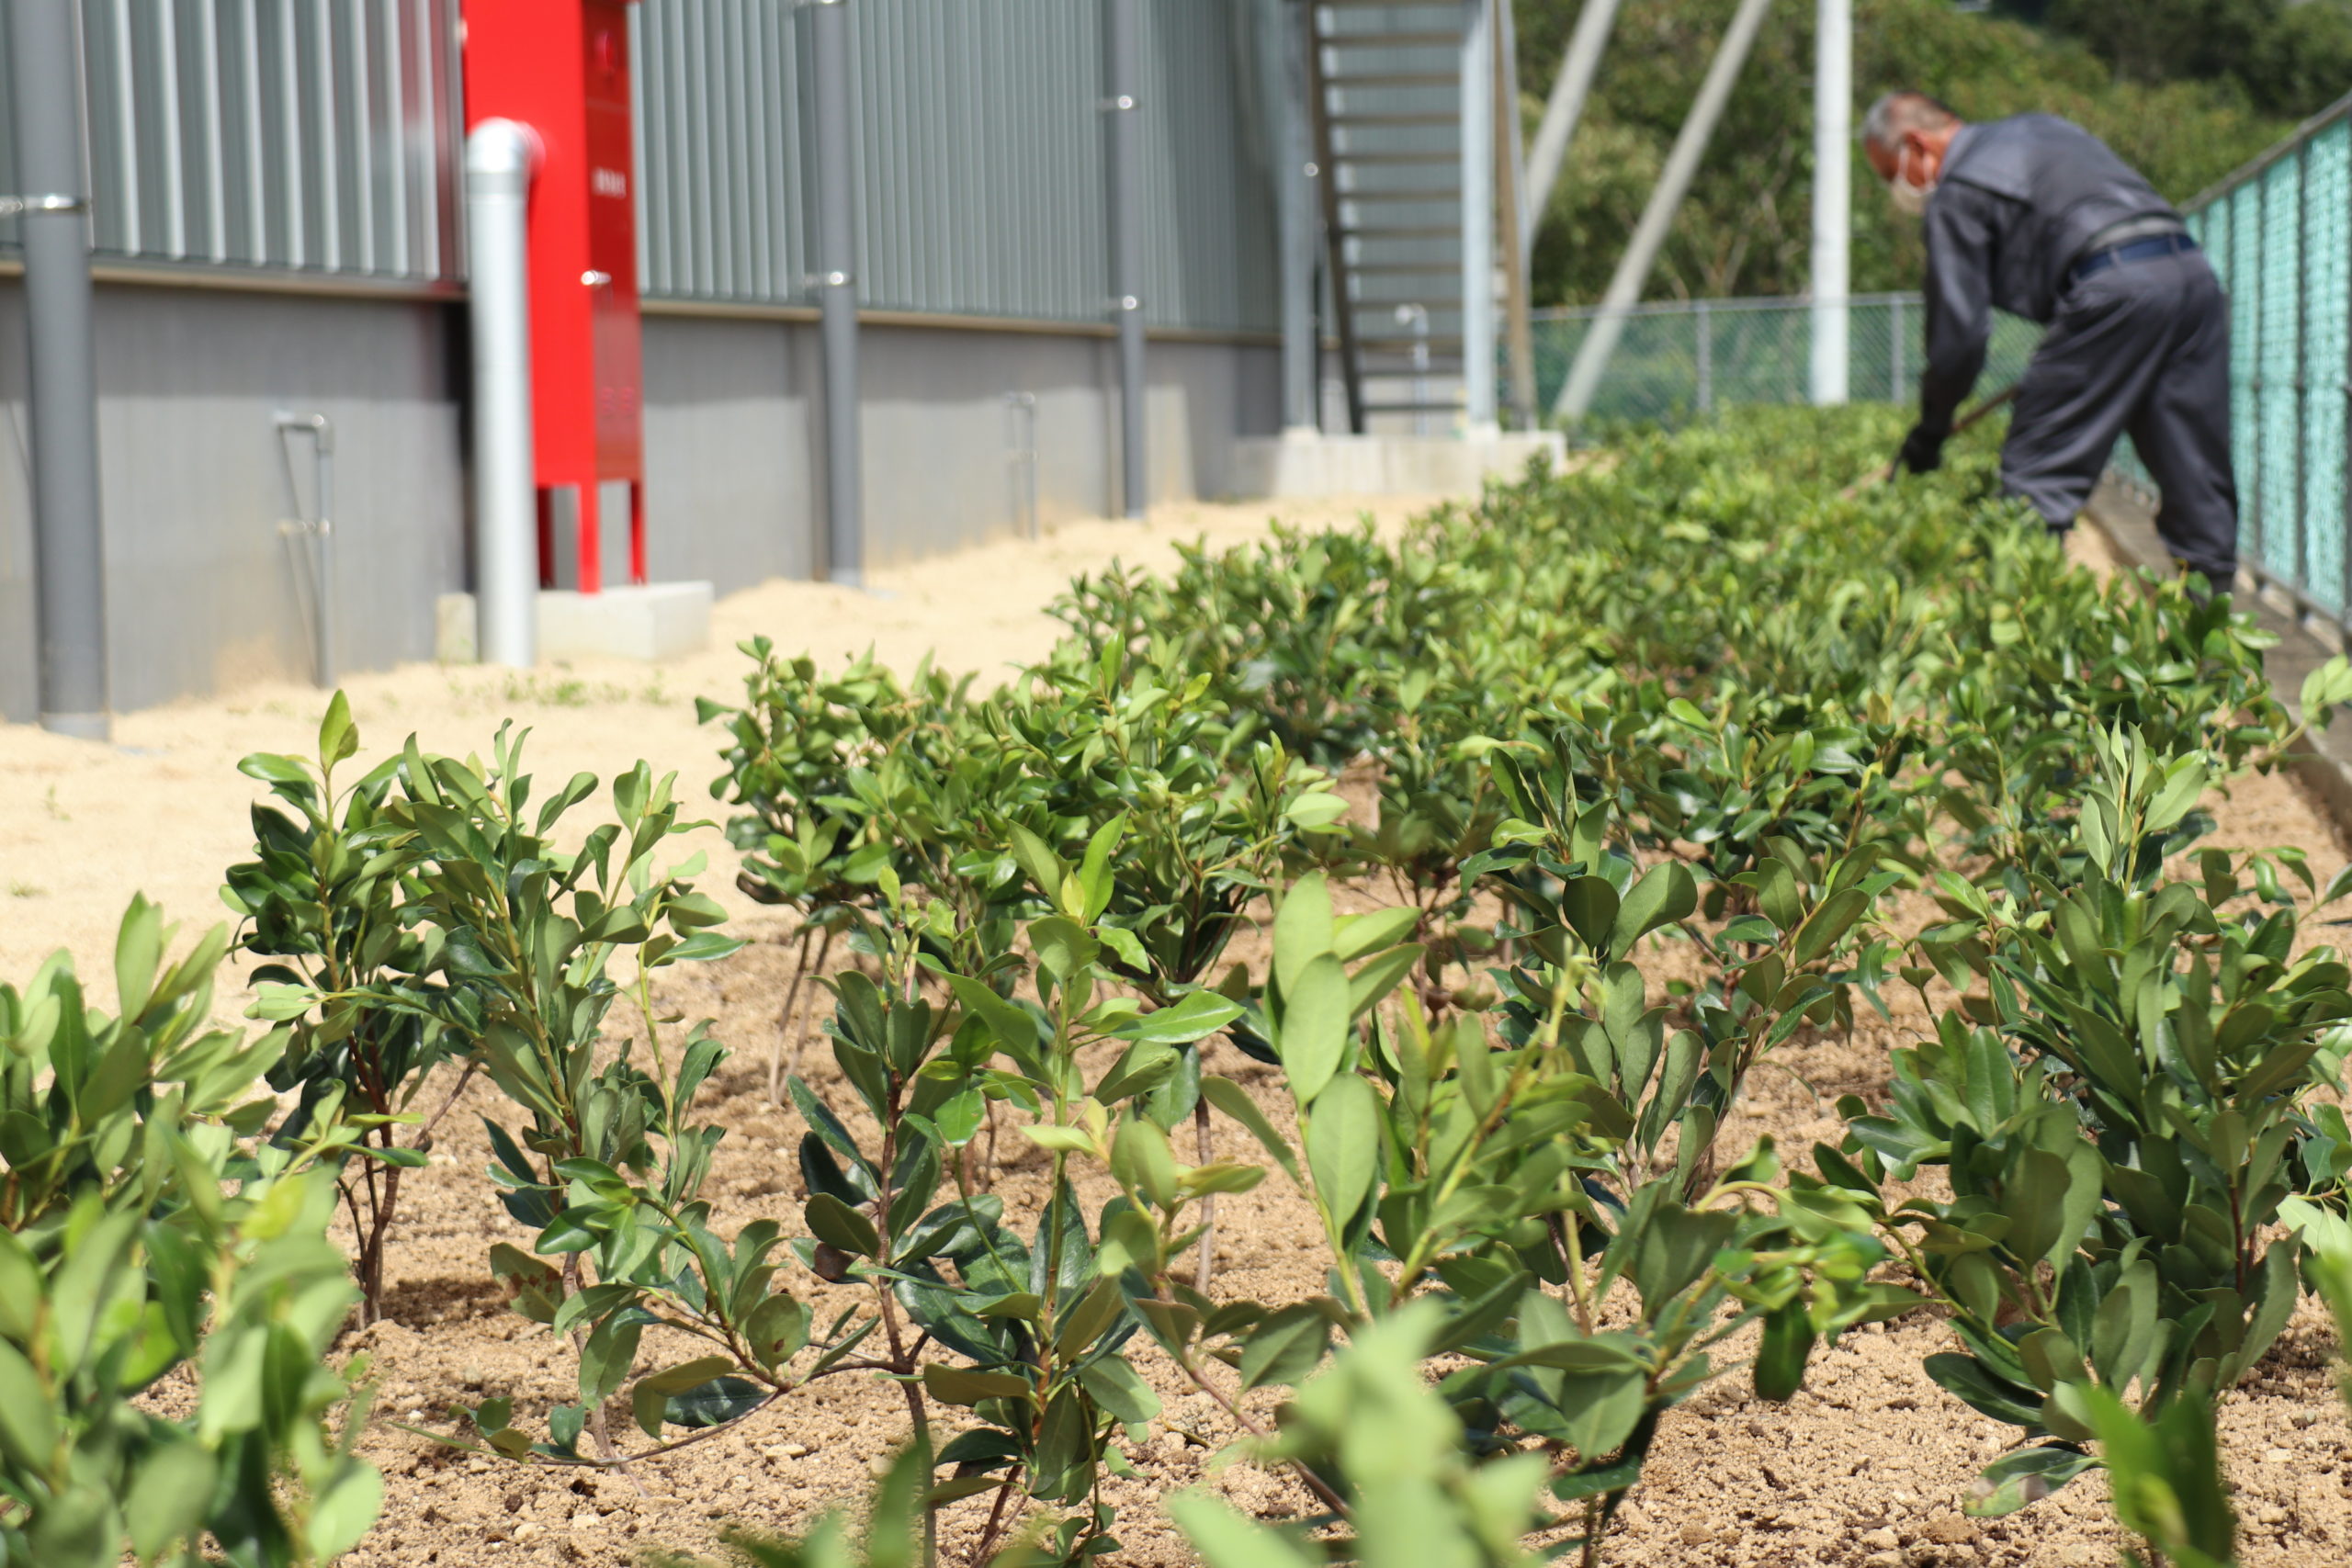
(1833, 218)
(69, 545)
(1650, 235)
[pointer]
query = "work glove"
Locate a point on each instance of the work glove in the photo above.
(1922, 452)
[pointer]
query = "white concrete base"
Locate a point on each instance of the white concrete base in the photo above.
(652, 622)
(1297, 465)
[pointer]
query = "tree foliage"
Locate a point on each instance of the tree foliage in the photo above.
(1747, 227)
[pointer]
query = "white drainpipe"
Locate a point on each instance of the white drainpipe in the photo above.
(500, 157)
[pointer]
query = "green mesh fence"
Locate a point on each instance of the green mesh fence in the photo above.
(2327, 273)
(2278, 492)
(1680, 360)
(2280, 235)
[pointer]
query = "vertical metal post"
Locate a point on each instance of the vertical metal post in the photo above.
(1518, 333)
(1562, 109)
(830, 66)
(2253, 318)
(1123, 134)
(1833, 124)
(1893, 349)
(500, 155)
(1294, 176)
(2302, 356)
(1700, 316)
(1478, 218)
(1658, 216)
(68, 566)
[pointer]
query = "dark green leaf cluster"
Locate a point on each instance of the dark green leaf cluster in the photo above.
(147, 1227)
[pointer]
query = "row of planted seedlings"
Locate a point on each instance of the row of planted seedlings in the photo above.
(1684, 699)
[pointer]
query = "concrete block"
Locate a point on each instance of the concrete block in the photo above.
(1300, 465)
(654, 621)
(657, 621)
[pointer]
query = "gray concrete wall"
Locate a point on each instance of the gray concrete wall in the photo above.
(204, 594)
(733, 454)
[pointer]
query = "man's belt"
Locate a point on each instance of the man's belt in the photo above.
(2148, 249)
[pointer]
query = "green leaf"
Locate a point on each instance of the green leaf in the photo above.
(1285, 1348)
(169, 1494)
(1375, 977)
(966, 1386)
(837, 1224)
(1343, 1146)
(1196, 1016)
(1965, 1379)
(2023, 1476)
(1225, 1540)
(1235, 1102)
(1589, 904)
(347, 1509)
(1780, 1360)
(1118, 1389)
(1312, 1036)
(28, 1420)
(338, 739)
(1303, 930)
(1666, 893)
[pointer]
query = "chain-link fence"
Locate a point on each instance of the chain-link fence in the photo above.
(1683, 359)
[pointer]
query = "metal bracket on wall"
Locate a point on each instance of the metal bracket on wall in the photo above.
(17, 206)
(318, 529)
(1021, 457)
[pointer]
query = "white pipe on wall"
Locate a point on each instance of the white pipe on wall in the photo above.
(1833, 128)
(500, 157)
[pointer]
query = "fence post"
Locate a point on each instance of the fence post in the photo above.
(1895, 330)
(2303, 367)
(1706, 358)
(2254, 316)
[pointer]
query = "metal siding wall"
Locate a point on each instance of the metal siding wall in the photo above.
(317, 135)
(980, 150)
(203, 592)
(322, 136)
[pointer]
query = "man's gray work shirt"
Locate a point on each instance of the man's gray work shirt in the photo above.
(2016, 203)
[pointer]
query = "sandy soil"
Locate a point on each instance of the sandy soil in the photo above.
(162, 809)
(1865, 1468)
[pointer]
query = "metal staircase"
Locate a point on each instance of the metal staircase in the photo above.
(1384, 91)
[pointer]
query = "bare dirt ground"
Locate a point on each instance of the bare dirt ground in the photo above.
(1865, 1468)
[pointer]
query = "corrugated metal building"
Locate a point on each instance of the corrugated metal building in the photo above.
(277, 221)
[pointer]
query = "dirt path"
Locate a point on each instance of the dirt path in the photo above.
(1864, 1469)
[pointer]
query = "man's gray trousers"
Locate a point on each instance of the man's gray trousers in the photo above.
(2140, 348)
